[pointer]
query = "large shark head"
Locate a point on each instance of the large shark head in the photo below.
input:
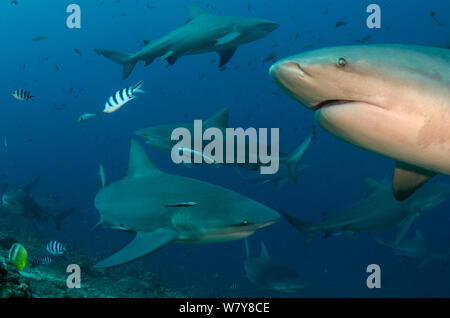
(389, 99)
(367, 76)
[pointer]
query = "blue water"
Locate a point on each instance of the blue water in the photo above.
(44, 137)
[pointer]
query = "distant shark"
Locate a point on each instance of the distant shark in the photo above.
(378, 210)
(419, 248)
(159, 137)
(203, 32)
(393, 100)
(20, 202)
(264, 272)
(280, 178)
(162, 208)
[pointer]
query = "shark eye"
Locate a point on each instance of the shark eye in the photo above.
(342, 62)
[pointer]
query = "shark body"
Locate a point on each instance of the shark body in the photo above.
(203, 32)
(267, 273)
(162, 208)
(419, 248)
(378, 210)
(20, 202)
(393, 100)
(159, 137)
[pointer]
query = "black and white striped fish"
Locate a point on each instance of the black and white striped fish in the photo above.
(123, 96)
(36, 261)
(23, 95)
(56, 248)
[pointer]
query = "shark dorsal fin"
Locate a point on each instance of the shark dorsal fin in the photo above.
(219, 119)
(195, 11)
(140, 163)
(27, 188)
(419, 235)
(264, 252)
(372, 185)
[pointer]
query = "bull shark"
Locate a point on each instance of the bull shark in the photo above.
(280, 178)
(378, 210)
(419, 248)
(393, 100)
(159, 137)
(162, 208)
(20, 202)
(203, 32)
(264, 272)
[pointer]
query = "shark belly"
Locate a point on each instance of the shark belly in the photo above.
(419, 137)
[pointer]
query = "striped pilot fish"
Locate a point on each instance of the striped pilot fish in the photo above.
(123, 96)
(56, 248)
(36, 261)
(22, 95)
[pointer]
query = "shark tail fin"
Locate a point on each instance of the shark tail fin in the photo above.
(294, 158)
(61, 216)
(304, 227)
(125, 59)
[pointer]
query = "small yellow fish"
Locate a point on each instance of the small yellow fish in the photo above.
(18, 256)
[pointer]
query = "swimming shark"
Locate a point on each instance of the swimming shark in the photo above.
(203, 32)
(280, 178)
(267, 273)
(162, 208)
(159, 137)
(419, 248)
(20, 202)
(393, 100)
(378, 210)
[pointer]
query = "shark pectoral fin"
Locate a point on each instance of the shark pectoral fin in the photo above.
(143, 244)
(170, 57)
(403, 227)
(171, 60)
(226, 55)
(408, 178)
(228, 38)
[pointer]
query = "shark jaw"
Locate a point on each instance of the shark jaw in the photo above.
(392, 100)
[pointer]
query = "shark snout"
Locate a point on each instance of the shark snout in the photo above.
(290, 77)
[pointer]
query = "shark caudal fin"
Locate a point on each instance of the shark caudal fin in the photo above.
(293, 159)
(304, 227)
(123, 58)
(57, 219)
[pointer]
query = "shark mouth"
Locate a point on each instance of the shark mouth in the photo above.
(331, 102)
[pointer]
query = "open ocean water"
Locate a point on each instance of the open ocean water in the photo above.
(42, 137)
